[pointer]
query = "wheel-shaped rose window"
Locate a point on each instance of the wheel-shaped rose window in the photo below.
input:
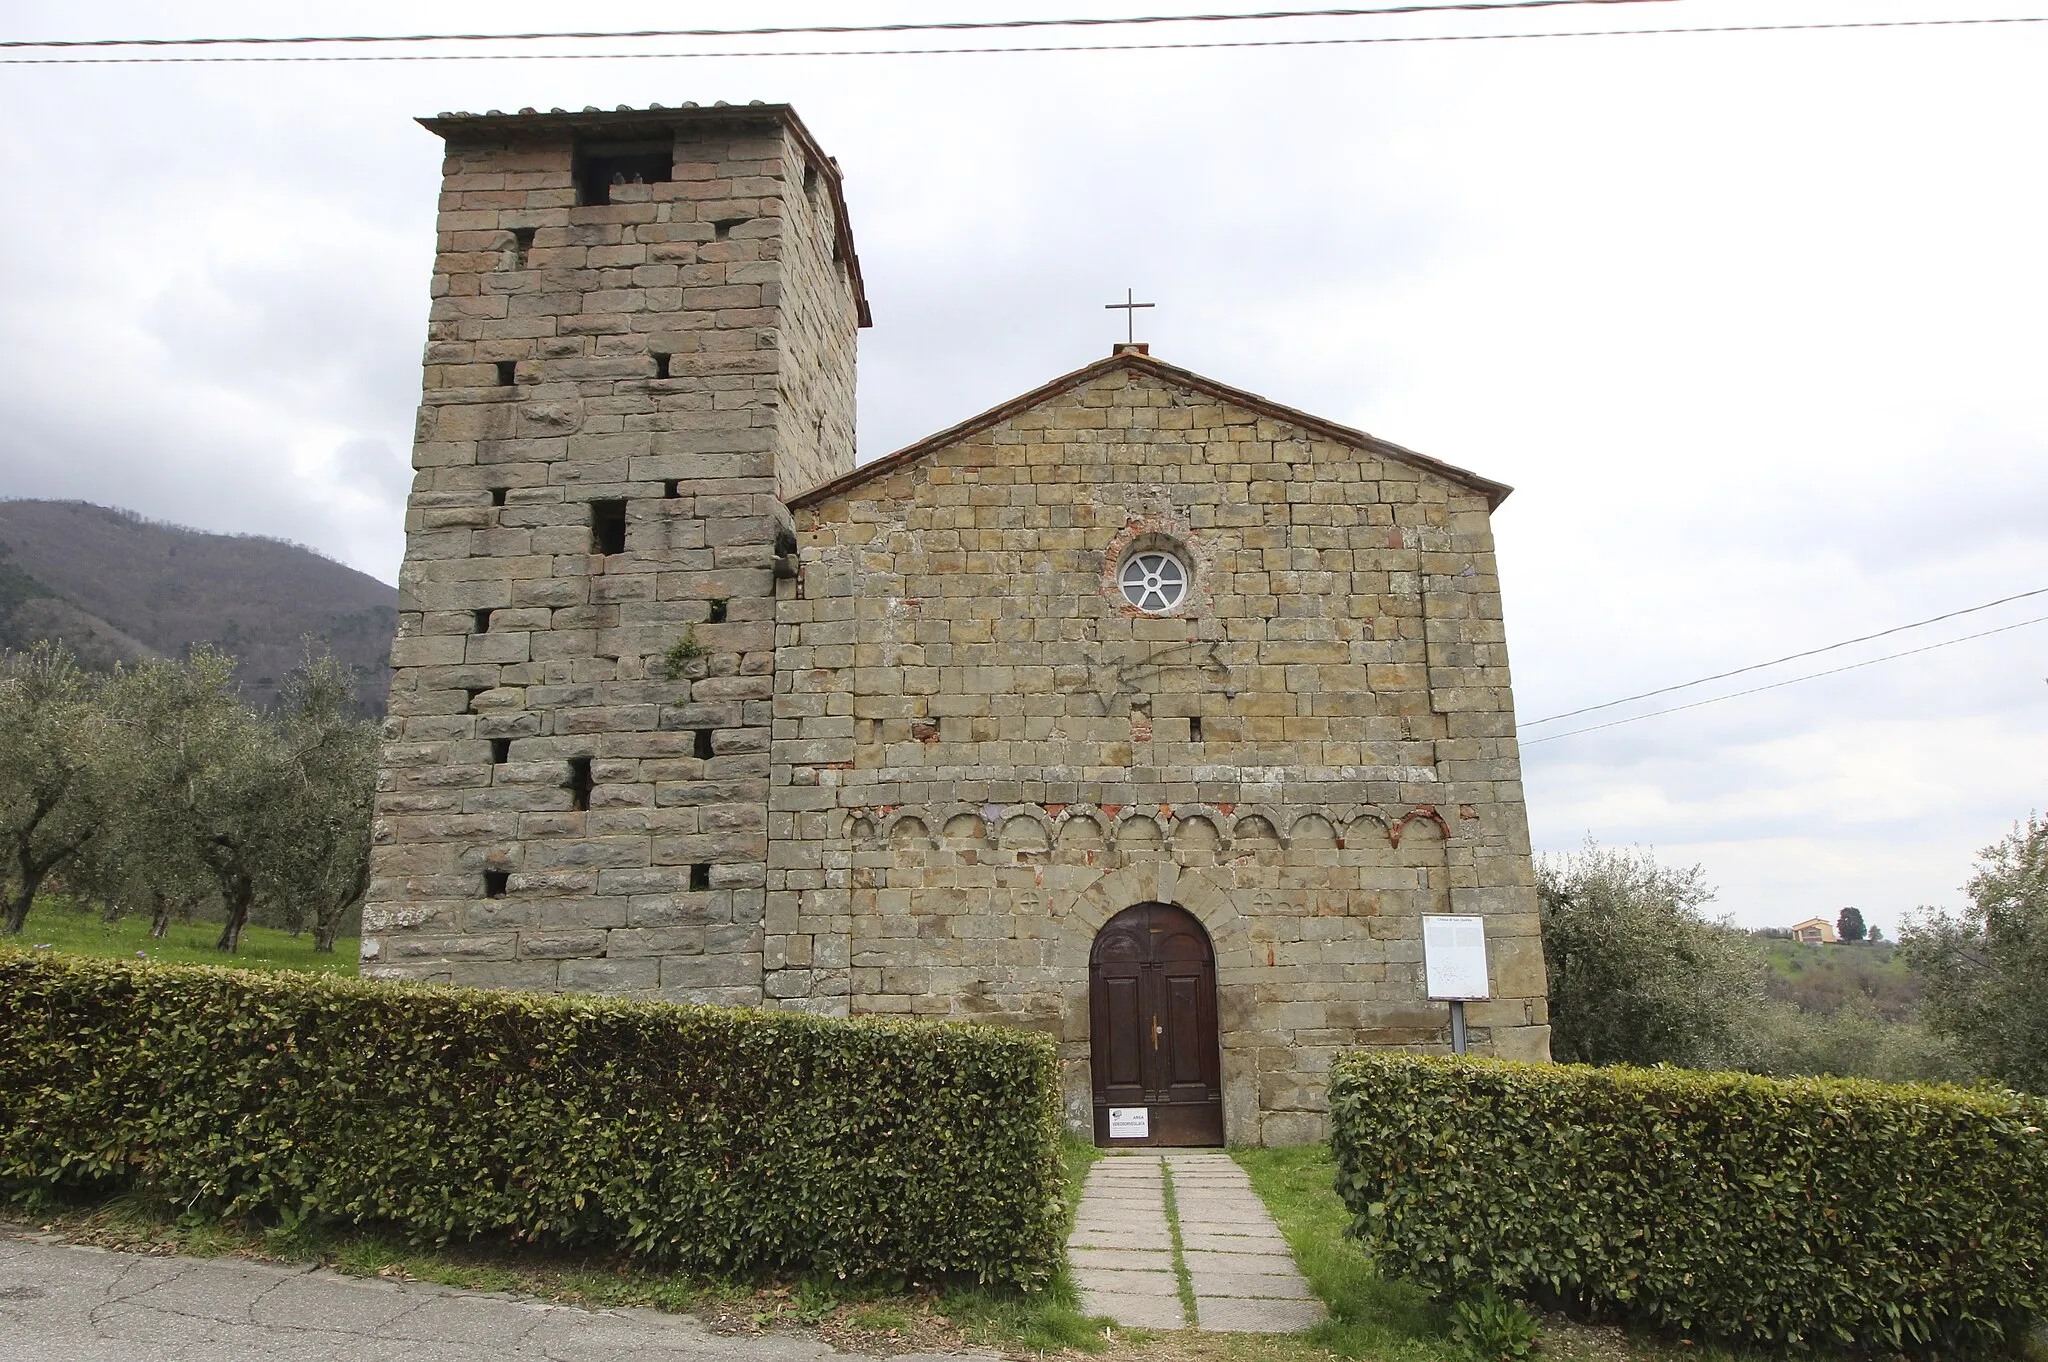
(1154, 581)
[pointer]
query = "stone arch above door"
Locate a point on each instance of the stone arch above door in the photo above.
(1199, 890)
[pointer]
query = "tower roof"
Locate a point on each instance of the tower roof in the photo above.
(1136, 360)
(626, 123)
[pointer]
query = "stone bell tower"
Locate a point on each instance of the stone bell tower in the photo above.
(642, 344)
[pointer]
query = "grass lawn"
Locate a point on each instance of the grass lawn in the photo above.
(55, 925)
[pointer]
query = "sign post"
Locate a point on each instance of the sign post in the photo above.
(1454, 965)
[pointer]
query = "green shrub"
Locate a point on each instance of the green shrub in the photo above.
(1805, 1212)
(706, 1138)
(1493, 1328)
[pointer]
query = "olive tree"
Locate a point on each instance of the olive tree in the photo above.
(322, 869)
(1638, 973)
(55, 787)
(212, 785)
(1986, 971)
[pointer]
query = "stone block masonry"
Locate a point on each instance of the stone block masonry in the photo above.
(687, 707)
(642, 342)
(982, 752)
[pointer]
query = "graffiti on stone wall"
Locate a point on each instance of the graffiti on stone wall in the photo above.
(1110, 682)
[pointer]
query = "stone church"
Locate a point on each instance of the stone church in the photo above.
(1139, 710)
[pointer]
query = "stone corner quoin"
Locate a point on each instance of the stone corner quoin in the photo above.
(915, 747)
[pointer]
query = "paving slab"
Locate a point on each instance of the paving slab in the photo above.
(1229, 1243)
(1288, 1287)
(1125, 1260)
(1135, 1312)
(1230, 1314)
(1109, 1239)
(1280, 1264)
(1126, 1282)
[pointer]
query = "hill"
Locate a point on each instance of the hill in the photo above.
(1822, 979)
(117, 587)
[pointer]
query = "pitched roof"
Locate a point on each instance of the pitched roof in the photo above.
(626, 121)
(1494, 492)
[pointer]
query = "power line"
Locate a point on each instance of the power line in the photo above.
(1789, 657)
(951, 26)
(1019, 50)
(1789, 681)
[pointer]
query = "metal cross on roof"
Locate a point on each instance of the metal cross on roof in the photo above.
(1130, 311)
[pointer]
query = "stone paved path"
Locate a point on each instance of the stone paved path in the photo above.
(1123, 1257)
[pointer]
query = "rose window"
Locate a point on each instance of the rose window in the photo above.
(1154, 581)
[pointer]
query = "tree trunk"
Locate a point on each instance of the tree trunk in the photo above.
(238, 902)
(24, 898)
(327, 915)
(161, 906)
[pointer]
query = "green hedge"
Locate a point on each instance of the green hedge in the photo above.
(707, 1138)
(1789, 1212)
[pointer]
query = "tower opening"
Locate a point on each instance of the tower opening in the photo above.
(601, 165)
(607, 527)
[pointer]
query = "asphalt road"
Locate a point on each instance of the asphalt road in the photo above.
(62, 1303)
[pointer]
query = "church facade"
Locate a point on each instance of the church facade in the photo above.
(1140, 710)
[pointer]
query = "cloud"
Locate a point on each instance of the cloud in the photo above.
(1750, 322)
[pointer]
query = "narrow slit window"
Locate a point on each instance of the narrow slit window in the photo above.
(661, 366)
(722, 228)
(1195, 728)
(718, 612)
(700, 877)
(672, 489)
(501, 751)
(703, 746)
(607, 527)
(497, 496)
(482, 620)
(508, 372)
(496, 882)
(522, 242)
(580, 782)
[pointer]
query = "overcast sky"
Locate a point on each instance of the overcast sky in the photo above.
(1753, 323)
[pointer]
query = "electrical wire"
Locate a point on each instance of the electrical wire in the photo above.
(950, 26)
(1789, 657)
(1789, 681)
(1021, 50)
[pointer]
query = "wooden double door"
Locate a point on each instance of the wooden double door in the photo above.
(1152, 1028)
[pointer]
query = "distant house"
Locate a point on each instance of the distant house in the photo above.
(1815, 931)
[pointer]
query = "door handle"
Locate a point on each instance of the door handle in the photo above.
(1155, 1031)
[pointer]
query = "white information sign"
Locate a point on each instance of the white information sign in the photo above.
(1454, 957)
(1130, 1123)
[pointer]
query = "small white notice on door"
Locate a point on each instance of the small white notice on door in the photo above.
(1454, 957)
(1130, 1123)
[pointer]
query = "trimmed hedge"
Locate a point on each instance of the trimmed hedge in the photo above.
(1807, 1212)
(707, 1138)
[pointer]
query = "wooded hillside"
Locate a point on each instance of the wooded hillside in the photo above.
(116, 587)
